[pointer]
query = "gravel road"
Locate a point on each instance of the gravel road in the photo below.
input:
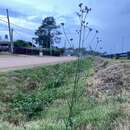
(14, 62)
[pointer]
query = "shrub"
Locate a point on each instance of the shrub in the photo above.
(128, 55)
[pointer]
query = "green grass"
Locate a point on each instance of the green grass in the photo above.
(37, 99)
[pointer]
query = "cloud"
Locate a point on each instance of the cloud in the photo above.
(111, 17)
(126, 9)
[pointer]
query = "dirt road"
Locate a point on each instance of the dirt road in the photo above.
(14, 62)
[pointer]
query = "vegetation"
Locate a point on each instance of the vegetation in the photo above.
(22, 43)
(128, 55)
(38, 99)
(46, 34)
(56, 97)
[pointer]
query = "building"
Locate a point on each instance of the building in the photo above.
(4, 46)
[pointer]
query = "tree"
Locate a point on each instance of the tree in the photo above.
(46, 33)
(22, 43)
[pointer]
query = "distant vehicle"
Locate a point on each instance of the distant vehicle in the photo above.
(69, 52)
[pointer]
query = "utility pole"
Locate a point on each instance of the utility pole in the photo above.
(12, 44)
(10, 32)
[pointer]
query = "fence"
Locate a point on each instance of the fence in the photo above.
(36, 51)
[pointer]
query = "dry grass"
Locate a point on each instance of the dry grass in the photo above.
(112, 79)
(122, 126)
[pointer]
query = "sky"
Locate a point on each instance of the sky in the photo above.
(110, 17)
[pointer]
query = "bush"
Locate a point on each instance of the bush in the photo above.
(128, 55)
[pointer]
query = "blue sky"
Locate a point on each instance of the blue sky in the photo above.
(110, 17)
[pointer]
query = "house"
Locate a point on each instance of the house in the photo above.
(4, 45)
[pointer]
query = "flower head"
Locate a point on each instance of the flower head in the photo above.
(62, 24)
(90, 29)
(97, 31)
(80, 5)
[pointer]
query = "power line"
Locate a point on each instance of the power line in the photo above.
(3, 20)
(20, 33)
(15, 29)
(16, 25)
(3, 17)
(3, 30)
(17, 33)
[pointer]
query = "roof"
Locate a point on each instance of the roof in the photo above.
(4, 42)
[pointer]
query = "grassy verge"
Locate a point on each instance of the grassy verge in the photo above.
(37, 99)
